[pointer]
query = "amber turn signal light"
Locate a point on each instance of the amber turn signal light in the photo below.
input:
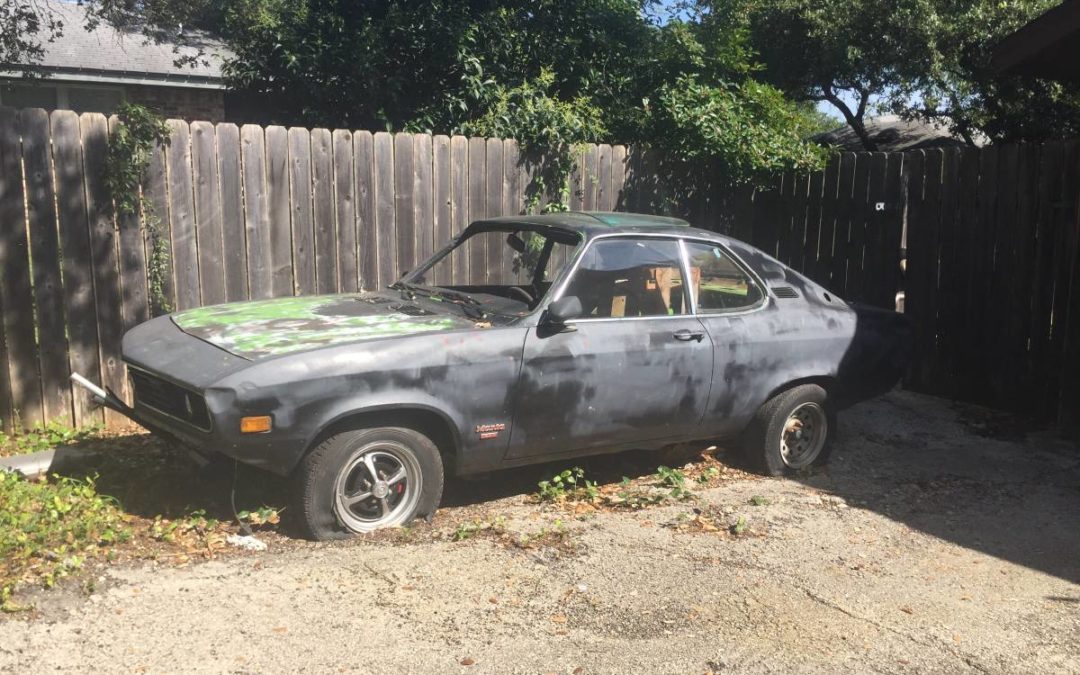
(255, 425)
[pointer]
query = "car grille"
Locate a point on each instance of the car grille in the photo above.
(166, 397)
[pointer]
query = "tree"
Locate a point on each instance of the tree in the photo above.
(925, 59)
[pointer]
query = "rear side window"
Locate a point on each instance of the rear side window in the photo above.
(630, 277)
(720, 284)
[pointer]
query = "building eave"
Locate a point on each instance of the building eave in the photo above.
(88, 76)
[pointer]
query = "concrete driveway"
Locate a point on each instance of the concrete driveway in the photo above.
(939, 539)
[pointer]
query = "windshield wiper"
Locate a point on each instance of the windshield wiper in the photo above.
(468, 304)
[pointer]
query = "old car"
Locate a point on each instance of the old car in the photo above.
(526, 339)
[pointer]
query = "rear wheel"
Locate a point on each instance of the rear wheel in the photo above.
(791, 432)
(362, 480)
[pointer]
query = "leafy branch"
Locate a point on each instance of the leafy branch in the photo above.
(131, 145)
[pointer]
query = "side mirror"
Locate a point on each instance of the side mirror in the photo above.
(562, 310)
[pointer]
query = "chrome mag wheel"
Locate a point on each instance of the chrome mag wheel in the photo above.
(378, 487)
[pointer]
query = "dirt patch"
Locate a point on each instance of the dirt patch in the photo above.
(924, 547)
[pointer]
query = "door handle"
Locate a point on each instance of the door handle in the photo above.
(686, 335)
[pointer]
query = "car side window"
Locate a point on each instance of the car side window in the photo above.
(630, 278)
(720, 284)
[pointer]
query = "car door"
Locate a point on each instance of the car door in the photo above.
(636, 366)
(727, 299)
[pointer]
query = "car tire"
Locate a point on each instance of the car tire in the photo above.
(337, 495)
(791, 432)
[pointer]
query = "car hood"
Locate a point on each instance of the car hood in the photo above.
(264, 328)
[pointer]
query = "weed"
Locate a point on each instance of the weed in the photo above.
(708, 474)
(740, 526)
(470, 529)
(569, 483)
(44, 437)
(265, 515)
(758, 500)
(48, 528)
(675, 480)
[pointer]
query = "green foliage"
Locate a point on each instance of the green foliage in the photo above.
(758, 500)
(49, 528)
(749, 129)
(567, 484)
(740, 526)
(50, 435)
(131, 146)
(549, 73)
(926, 59)
(548, 130)
(675, 481)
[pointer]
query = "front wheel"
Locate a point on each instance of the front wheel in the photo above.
(791, 432)
(361, 480)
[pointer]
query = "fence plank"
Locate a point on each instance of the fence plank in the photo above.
(589, 177)
(1000, 298)
(619, 169)
(208, 229)
(1069, 397)
(404, 202)
(603, 185)
(576, 188)
(423, 214)
(95, 140)
(1023, 252)
(157, 192)
(1049, 191)
(185, 253)
(257, 213)
(279, 211)
(513, 194)
(916, 264)
(15, 283)
(812, 236)
(325, 230)
(385, 210)
(979, 333)
(76, 264)
(477, 204)
(232, 213)
(879, 273)
(496, 251)
(845, 186)
(459, 201)
(135, 303)
(303, 220)
(7, 423)
(443, 221)
(923, 271)
(367, 232)
(45, 262)
(345, 212)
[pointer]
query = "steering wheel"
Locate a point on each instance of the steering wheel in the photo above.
(524, 294)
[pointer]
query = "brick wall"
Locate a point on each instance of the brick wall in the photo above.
(181, 103)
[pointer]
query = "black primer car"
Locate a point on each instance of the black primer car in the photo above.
(526, 339)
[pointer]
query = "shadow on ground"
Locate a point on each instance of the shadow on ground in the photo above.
(963, 474)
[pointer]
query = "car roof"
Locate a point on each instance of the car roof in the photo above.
(594, 223)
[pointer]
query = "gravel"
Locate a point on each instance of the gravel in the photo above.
(934, 542)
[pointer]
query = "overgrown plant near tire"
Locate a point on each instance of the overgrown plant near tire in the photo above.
(131, 146)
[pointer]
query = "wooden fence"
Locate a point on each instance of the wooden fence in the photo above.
(992, 240)
(992, 283)
(250, 212)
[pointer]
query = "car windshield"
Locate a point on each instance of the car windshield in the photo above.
(507, 270)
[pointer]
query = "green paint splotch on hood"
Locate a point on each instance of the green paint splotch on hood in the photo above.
(272, 327)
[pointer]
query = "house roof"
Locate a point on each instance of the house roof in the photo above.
(892, 133)
(1048, 46)
(106, 54)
